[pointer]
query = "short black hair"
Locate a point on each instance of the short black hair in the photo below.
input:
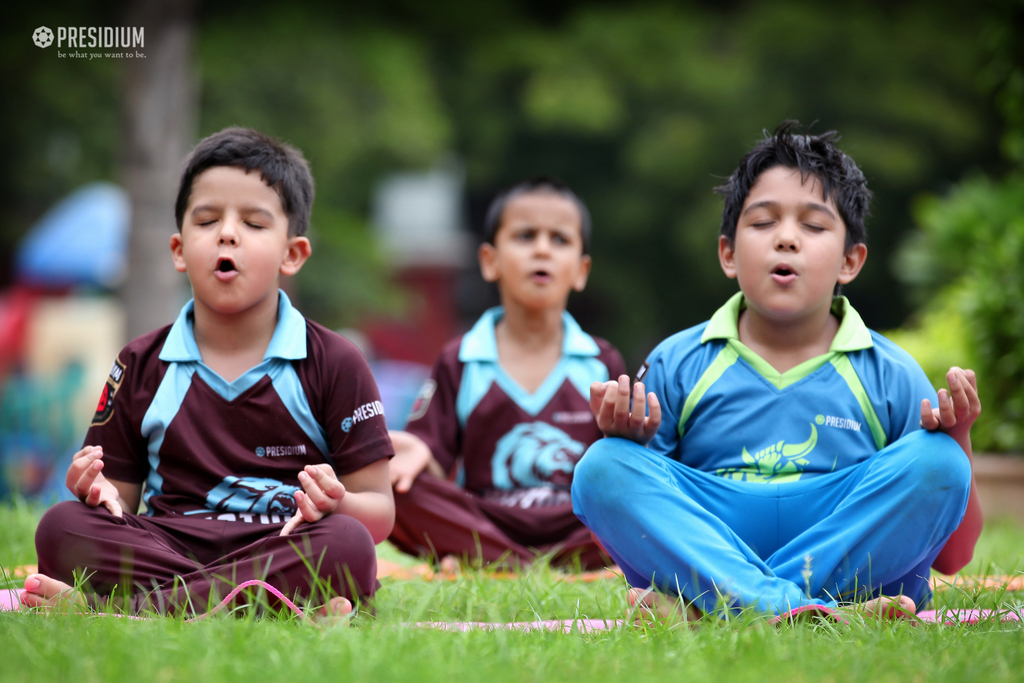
(496, 210)
(281, 166)
(813, 155)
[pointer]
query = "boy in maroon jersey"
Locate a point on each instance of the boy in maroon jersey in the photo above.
(509, 400)
(258, 434)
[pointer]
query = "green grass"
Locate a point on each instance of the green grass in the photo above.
(379, 647)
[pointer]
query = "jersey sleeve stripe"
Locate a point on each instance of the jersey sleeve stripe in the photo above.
(723, 361)
(845, 369)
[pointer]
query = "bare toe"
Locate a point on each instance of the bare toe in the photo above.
(42, 591)
(338, 610)
(889, 607)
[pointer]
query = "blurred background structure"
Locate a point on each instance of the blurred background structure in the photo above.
(414, 114)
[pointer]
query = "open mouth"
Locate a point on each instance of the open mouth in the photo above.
(783, 274)
(540, 276)
(225, 270)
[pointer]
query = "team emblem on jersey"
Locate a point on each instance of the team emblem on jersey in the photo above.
(779, 461)
(105, 408)
(253, 495)
(535, 454)
(422, 402)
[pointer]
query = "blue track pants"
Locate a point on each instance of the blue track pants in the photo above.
(873, 528)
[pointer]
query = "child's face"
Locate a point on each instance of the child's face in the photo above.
(789, 250)
(234, 241)
(537, 256)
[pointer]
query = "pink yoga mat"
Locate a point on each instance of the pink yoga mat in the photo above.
(951, 617)
(9, 599)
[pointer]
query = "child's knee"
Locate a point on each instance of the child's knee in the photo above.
(347, 554)
(57, 554)
(940, 466)
(600, 466)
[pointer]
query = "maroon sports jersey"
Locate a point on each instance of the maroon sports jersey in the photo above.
(517, 447)
(233, 450)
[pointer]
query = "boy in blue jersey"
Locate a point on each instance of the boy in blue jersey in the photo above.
(255, 437)
(792, 459)
(507, 404)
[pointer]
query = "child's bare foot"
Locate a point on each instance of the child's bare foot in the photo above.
(42, 591)
(888, 608)
(448, 566)
(661, 607)
(337, 611)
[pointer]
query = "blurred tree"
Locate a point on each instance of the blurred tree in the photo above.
(645, 108)
(159, 110)
(967, 260)
(641, 106)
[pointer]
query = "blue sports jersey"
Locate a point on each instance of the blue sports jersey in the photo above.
(726, 411)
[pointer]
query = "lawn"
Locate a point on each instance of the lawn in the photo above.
(381, 647)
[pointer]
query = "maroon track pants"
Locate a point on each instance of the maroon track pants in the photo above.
(186, 564)
(437, 518)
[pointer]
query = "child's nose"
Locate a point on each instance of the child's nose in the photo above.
(786, 238)
(228, 233)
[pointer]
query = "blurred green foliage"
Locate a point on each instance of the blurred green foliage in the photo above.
(966, 262)
(971, 250)
(642, 107)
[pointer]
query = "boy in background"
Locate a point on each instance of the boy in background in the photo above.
(783, 463)
(256, 432)
(507, 403)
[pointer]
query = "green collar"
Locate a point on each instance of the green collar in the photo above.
(853, 334)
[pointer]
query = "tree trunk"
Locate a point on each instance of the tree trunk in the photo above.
(160, 107)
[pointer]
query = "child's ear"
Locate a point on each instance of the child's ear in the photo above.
(853, 261)
(583, 273)
(488, 257)
(177, 252)
(727, 256)
(298, 251)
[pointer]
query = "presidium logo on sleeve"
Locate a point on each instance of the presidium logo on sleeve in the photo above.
(105, 408)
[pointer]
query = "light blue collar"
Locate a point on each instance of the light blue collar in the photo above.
(288, 342)
(479, 343)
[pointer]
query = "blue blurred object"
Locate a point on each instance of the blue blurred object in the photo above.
(83, 240)
(399, 383)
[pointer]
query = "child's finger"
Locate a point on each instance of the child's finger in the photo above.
(114, 507)
(597, 392)
(638, 415)
(972, 393)
(654, 420)
(403, 483)
(307, 509)
(291, 524)
(621, 414)
(316, 496)
(928, 419)
(958, 392)
(87, 479)
(606, 411)
(80, 465)
(947, 416)
(328, 482)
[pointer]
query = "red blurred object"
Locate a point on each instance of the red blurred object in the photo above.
(432, 320)
(15, 311)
